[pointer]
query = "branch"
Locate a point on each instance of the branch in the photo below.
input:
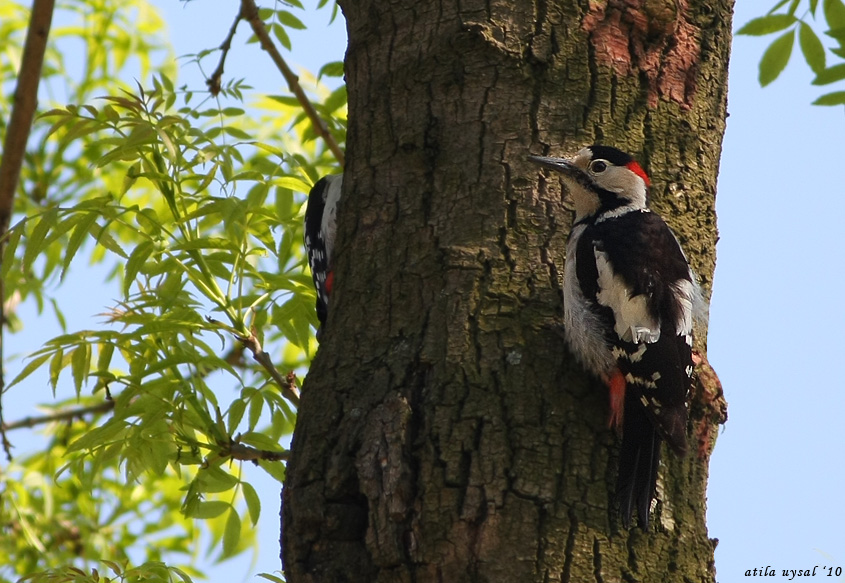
(14, 144)
(240, 451)
(214, 81)
(64, 415)
(249, 12)
(287, 384)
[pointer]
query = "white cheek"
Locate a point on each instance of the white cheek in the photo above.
(625, 182)
(585, 201)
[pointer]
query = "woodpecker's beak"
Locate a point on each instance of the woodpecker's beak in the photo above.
(579, 187)
(563, 165)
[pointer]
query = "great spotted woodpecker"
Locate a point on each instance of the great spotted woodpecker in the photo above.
(629, 302)
(320, 229)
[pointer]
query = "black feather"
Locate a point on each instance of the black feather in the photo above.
(639, 459)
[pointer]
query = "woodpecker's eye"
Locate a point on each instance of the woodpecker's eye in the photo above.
(598, 166)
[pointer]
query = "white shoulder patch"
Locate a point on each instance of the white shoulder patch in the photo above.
(632, 320)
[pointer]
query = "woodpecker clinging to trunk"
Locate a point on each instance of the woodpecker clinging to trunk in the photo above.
(629, 302)
(320, 228)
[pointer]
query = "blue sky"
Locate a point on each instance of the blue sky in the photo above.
(777, 312)
(776, 316)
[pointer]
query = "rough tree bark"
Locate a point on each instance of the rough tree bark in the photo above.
(444, 432)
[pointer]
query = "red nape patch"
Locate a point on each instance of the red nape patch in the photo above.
(329, 282)
(638, 170)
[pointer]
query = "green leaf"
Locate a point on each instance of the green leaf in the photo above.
(834, 13)
(181, 574)
(774, 8)
(213, 479)
(112, 431)
(56, 365)
(290, 20)
(837, 33)
(9, 252)
(292, 183)
(281, 35)
(231, 534)
(253, 502)
(35, 242)
(767, 24)
(76, 238)
(256, 405)
(80, 362)
(236, 413)
(210, 509)
(775, 58)
(133, 265)
(830, 75)
(275, 469)
(106, 349)
(333, 69)
(104, 238)
(337, 99)
(835, 98)
(813, 5)
(812, 48)
(237, 133)
(29, 369)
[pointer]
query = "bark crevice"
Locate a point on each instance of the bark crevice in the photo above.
(445, 434)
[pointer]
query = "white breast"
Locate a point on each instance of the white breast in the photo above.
(583, 327)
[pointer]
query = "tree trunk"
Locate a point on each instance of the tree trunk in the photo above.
(445, 433)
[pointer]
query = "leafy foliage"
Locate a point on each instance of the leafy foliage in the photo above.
(194, 203)
(777, 55)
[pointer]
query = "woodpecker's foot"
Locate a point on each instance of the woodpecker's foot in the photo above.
(616, 383)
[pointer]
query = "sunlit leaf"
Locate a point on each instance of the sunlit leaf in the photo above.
(333, 69)
(35, 241)
(834, 13)
(830, 75)
(835, 98)
(775, 58)
(767, 24)
(812, 48)
(253, 502)
(31, 367)
(231, 533)
(211, 509)
(56, 365)
(275, 469)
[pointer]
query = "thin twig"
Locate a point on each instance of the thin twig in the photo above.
(64, 415)
(214, 82)
(249, 12)
(14, 144)
(286, 384)
(239, 451)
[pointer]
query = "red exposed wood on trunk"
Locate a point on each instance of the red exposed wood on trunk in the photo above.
(654, 37)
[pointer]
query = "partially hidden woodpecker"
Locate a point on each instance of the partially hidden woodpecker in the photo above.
(320, 229)
(630, 298)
